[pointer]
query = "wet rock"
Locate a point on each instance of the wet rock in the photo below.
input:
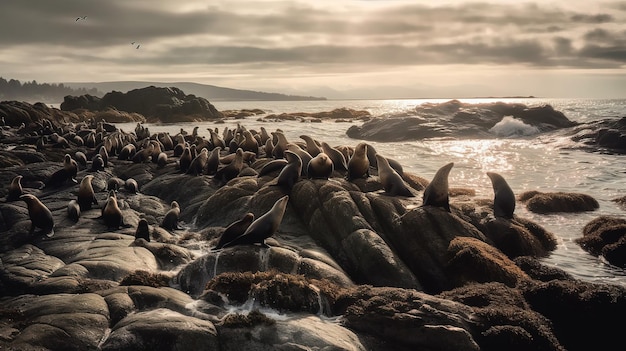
(162, 329)
(558, 202)
(606, 236)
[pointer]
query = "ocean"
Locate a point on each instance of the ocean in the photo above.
(528, 160)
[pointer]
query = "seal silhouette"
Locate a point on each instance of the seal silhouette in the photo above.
(359, 165)
(390, 179)
(40, 216)
(170, 220)
(15, 189)
(504, 198)
(111, 213)
(86, 195)
(143, 230)
(290, 174)
(73, 210)
(264, 226)
(436, 192)
(235, 230)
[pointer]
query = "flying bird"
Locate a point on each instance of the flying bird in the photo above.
(80, 18)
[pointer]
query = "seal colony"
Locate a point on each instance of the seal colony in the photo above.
(292, 215)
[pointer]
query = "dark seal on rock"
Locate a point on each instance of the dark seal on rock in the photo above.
(40, 216)
(390, 179)
(264, 226)
(235, 230)
(170, 221)
(15, 189)
(504, 199)
(86, 195)
(320, 167)
(436, 193)
(143, 230)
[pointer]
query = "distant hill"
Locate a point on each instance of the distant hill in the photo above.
(209, 92)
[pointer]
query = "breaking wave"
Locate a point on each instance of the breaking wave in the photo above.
(510, 126)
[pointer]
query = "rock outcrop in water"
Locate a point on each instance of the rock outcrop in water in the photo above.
(165, 105)
(459, 120)
(401, 275)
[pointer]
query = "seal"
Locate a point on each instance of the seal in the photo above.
(320, 167)
(15, 189)
(162, 160)
(339, 160)
(115, 183)
(235, 230)
(97, 163)
(196, 167)
(436, 192)
(271, 166)
(143, 230)
(290, 174)
(390, 179)
(213, 162)
(131, 186)
(359, 165)
(312, 147)
(262, 227)
(249, 143)
(40, 216)
(81, 158)
(280, 145)
(127, 153)
(105, 155)
(230, 171)
(371, 156)
(504, 199)
(71, 167)
(73, 210)
(86, 195)
(111, 213)
(170, 221)
(304, 156)
(185, 160)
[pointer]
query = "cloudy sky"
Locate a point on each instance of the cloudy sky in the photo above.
(336, 48)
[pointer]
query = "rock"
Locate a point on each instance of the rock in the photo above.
(606, 236)
(558, 202)
(161, 329)
(156, 104)
(456, 119)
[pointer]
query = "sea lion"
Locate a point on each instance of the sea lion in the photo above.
(115, 183)
(230, 171)
(97, 163)
(127, 153)
(196, 167)
(504, 198)
(268, 148)
(213, 162)
(40, 216)
(271, 166)
(359, 165)
(170, 220)
(131, 186)
(390, 179)
(162, 160)
(105, 155)
(111, 213)
(290, 174)
(305, 157)
(71, 166)
(339, 160)
(81, 158)
(436, 192)
(60, 177)
(15, 189)
(320, 167)
(264, 226)
(371, 156)
(185, 160)
(235, 230)
(249, 143)
(280, 145)
(311, 145)
(143, 230)
(73, 210)
(86, 195)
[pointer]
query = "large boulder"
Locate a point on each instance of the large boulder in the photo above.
(155, 103)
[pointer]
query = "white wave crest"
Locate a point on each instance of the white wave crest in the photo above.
(510, 126)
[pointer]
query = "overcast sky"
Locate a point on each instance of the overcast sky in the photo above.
(338, 48)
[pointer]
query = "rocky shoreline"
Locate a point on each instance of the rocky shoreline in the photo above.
(350, 266)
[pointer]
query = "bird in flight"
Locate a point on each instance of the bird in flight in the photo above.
(80, 18)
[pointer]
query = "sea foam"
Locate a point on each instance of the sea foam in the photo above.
(510, 126)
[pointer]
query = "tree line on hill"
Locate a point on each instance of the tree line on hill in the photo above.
(13, 89)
